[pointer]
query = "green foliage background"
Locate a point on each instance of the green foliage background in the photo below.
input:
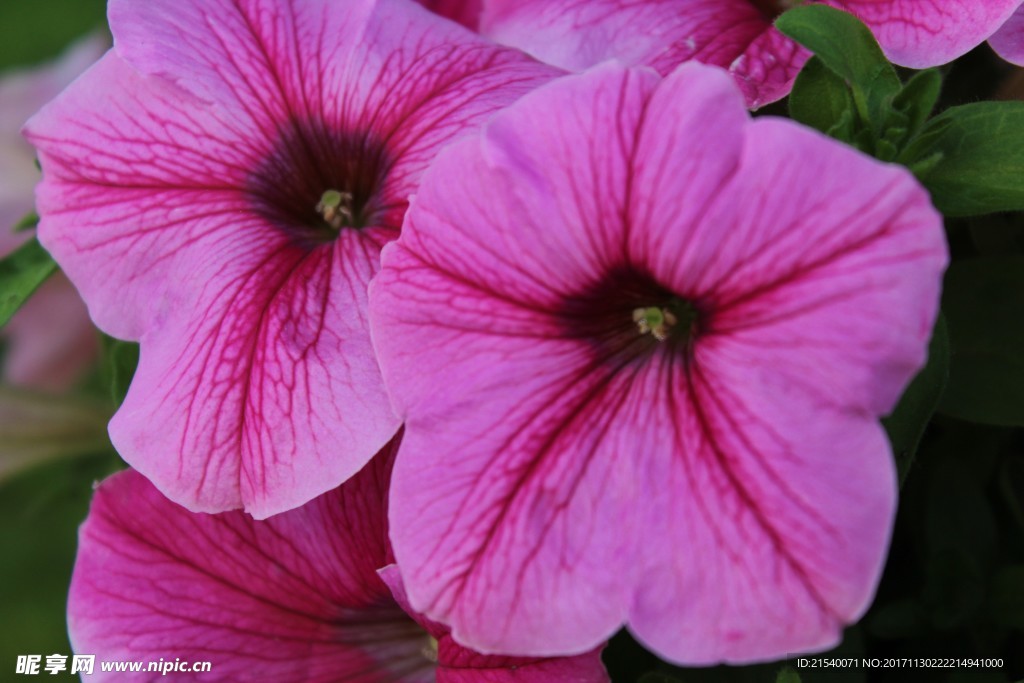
(40, 510)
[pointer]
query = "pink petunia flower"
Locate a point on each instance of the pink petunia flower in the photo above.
(294, 599)
(641, 343)
(50, 341)
(1008, 42)
(219, 187)
(466, 12)
(735, 34)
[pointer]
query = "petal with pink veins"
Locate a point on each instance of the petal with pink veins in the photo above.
(576, 34)
(925, 33)
(735, 34)
(293, 599)
(639, 342)
(183, 193)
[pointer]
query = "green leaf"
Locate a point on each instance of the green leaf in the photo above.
(21, 273)
(820, 99)
(28, 222)
(984, 306)
(120, 358)
(976, 158)
(906, 425)
(788, 675)
(34, 31)
(918, 97)
(1006, 597)
(847, 47)
(40, 511)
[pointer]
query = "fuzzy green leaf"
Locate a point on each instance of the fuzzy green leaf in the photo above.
(975, 155)
(21, 273)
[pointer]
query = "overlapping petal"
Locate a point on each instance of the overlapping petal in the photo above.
(181, 178)
(1009, 40)
(576, 34)
(734, 34)
(456, 664)
(567, 471)
(293, 599)
(922, 34)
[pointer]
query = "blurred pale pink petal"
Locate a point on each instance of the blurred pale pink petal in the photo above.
(293, 599)
(22, 93)
(51, 340)
(641, 344)
(182, 193)
(1009, 40)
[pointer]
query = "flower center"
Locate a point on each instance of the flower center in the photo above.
(335, 207)
(429, 650)
(628, 315)
(318, 180)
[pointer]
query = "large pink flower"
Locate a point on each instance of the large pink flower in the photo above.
(219, 187)
(641, 343)
(735, 34)
(51, 341)
(294, 599)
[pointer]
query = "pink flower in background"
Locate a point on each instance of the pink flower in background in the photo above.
(466, 12)
(641, 344)
(294, 599)
(1008, 42)
(219, 187)
(51, 340)
(735, 34)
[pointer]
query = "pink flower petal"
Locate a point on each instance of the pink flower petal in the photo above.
(294, 599)
(182, 176)
(924, 33)
(1009, 40)
(567, 471)
(824, 286)
(734, 34)
(265, 394)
